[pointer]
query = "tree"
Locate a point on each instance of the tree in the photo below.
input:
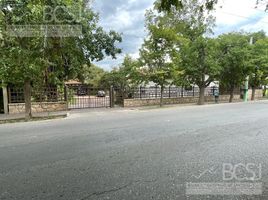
(68, 56)
(157, 51)
(167, 5)
(21, 56)
(197, 55)
(200, 63)
(51, 59)
(234, 60)
(262, 2)
(259, 65)
(92, 75)
(123, 78)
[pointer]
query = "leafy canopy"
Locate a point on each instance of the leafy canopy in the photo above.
(234, 59)
(52, 59)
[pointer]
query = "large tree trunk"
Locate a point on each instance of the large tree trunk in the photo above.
(231, 94)
(264, 91)
(161, 96)
(201, 100)
(253, 94)
(27, 99)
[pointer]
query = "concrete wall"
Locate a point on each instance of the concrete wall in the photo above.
(16, 108)
(180, 100)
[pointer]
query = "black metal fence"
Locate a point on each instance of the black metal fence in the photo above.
(43, 94)
(169, 92)
(77, 95)
(83, 96)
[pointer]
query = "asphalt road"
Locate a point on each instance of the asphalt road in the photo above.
(138, 154)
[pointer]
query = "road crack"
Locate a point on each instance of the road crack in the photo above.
(116, 189)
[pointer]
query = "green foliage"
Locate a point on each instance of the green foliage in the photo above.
(125, 76)
(159, 50)
(46, 60)
(52, 59)
(259, 63)
(167, 5)
(200, 59)
(197, 54)
(234, 59)
(92, 75)
(21, 57)
(176, 50)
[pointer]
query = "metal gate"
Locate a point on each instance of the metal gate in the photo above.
(82, 96)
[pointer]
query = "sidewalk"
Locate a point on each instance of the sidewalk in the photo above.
(62, 114)
(4, 118)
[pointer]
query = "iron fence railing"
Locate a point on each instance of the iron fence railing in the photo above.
(44, 94)
(168, 92)
(84, 96)
(15, 95)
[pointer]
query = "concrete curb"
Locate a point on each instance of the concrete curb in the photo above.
(34, 118)
(143, 108)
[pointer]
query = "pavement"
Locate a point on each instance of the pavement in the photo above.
(193, 152)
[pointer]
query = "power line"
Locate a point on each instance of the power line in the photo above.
(232, 14)
(256, 5)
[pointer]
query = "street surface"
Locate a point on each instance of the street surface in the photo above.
(138, 154)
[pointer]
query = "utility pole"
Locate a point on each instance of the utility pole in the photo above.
(247, 79)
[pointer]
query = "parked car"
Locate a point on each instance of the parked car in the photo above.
(101, 93)
(81, 91)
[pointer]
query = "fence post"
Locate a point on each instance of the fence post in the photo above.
(169, 92)
(182, 91)
(156, 92)
(193, 91)
(111, 96)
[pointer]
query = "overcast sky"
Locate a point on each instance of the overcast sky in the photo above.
(127, 17)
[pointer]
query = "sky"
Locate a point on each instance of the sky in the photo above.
(127, 18)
